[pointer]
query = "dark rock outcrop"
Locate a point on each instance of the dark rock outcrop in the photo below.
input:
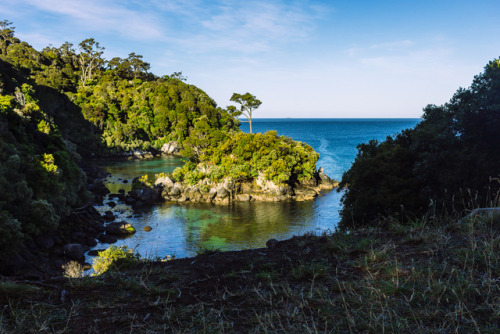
(120, 228)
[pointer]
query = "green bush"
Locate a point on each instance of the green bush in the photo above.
(115, 258)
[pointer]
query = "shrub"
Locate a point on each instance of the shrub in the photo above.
(115, 258)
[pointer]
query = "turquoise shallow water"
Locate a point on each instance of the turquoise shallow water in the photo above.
(181, 230)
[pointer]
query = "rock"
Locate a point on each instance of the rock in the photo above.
(120, 228)
(164, 182)
(147, 195)
(222, 193)
(125, 181)
(490, 214)
(172, 148)
(322, 176)
(90, 241)
(73, 251)
(147, 228)
(111, 204)
(45, 241)
(95, 252)
(174, 191)
(305, 193)
(243, 197)
(107, 238)
(130, 200)
(212, 193)
(87, 266)
(182, 198)
(271, 243)
(108, 215)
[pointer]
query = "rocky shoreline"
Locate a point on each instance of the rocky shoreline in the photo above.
(170, 148)
(227, 191)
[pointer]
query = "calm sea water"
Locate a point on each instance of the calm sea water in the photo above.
(181, 230)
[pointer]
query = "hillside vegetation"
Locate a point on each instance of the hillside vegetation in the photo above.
(63, 105)
(450, 162)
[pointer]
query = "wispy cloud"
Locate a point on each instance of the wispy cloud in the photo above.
(110, 16)
(250, 26)
(191, 27)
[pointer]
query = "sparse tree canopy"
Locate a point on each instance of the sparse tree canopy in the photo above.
(90, 58)
(248, 104)
(6, 33)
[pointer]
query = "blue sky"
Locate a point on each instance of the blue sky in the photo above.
(301, 58)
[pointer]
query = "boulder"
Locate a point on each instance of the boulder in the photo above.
(222, 193)
(212, 193)
(73, 251)
(147, 228)
(174, 192)
(305, 194)
(108, 215)
(171, 148)
(148, 195)
(120, 228)
(107, 238)
(323, 177)
(164, 182)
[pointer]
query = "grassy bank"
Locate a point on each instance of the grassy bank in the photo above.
(420, 278)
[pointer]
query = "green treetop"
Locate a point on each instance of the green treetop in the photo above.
(248, 104)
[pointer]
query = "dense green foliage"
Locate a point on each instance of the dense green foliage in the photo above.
(59, 104)
(140, 114)
(215, 155)
(444, 164)
(39, 178)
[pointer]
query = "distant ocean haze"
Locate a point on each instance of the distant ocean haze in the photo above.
(182, 229)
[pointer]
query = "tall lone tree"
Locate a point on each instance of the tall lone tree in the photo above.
(248, 104)
(6, 34)
(90, 58)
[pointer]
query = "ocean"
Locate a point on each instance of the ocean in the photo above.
(184, 229)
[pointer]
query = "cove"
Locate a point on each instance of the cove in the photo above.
(183, 229)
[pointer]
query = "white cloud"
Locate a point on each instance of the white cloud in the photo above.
(110, 16)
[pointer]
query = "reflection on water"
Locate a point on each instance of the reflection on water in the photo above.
(182, 229)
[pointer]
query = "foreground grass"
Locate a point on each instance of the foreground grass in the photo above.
(420, 279)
